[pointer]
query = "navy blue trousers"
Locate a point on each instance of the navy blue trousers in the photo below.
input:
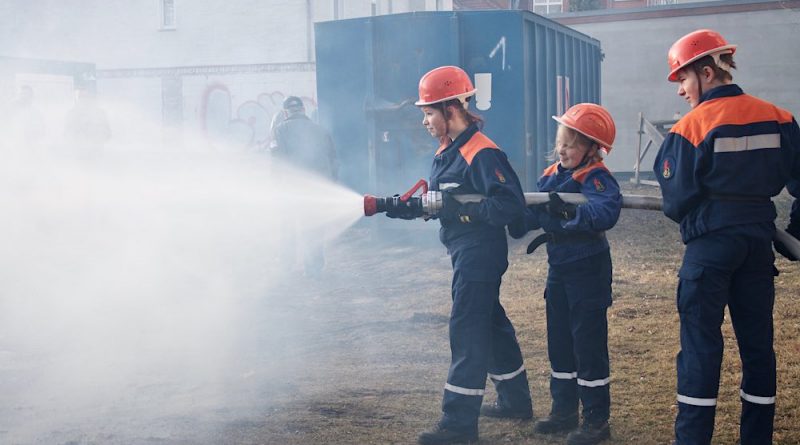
(734, 267)
(482, 339)
(578, 295)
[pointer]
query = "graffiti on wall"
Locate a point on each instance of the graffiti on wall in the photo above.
(249, 124)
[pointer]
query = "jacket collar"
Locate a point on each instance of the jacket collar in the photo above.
(462, 138)
(728, 90)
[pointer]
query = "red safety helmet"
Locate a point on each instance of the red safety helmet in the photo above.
(443, 84)
(695, 45)
(592, 121)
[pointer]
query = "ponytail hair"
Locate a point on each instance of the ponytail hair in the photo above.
(461, 109)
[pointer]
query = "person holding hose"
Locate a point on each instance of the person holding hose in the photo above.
(482, 339)
(718, 168)
(578, 289)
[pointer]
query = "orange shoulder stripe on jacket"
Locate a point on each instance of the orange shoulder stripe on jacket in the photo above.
(550, 171)
(581, 174)
(475, 144)
(736, 110)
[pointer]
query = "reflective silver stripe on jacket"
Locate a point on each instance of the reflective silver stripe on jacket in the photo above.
(745, 143)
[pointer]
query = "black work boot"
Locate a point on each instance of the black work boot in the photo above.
(440, 435)
(556, 423)
(589, 434)
(504, 412)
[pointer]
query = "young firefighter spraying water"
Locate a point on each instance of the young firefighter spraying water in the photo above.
(578, 291)
(718, 168)
(482, 339)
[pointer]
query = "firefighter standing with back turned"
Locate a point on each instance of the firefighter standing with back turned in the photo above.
(482, 340)
(718, 168)
(306, 145)
(578, 291)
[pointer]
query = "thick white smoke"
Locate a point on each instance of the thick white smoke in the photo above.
(126, 273)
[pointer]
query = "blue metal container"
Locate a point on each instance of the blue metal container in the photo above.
(526, 68)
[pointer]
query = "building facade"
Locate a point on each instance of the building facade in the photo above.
(546, 7)
(217, 67)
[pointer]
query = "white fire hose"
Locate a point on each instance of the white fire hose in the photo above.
(628, 202)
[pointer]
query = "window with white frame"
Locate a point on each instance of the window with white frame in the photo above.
(166, 14)
(547, 6)
(338, 9)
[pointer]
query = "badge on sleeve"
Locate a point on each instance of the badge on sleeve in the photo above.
(667, 167)
(598, 185)
(499, 175)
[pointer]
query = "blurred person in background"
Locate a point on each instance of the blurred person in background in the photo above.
(304, 144)
(86, 127)
(27, 127)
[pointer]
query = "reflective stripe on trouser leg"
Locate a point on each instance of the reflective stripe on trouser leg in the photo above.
(505, 365)
(590, 331)
(587, 286)
(698, 365)
(751, 307)
(563, 385)
(709, 262)
(470, 346)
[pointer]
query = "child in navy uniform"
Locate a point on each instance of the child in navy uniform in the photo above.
(483, 342)
(718, 168)
(578, 290)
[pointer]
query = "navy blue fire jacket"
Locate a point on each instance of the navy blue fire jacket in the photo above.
(584, 235)
(723, 161)
(794, 218)
(473, 164)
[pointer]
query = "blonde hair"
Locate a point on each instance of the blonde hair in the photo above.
(571, 137)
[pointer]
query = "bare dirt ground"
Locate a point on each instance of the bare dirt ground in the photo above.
(362, 356)
(374, 372)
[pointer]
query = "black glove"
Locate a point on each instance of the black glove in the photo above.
(453, 210)
(518, 228)
(403, 210)
(450, 207)
(782, 249)
(557, 208)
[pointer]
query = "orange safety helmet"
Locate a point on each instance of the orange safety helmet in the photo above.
(443, 84)
(592, 121)
(695, 45)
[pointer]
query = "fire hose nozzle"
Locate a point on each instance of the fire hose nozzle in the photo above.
(427, 204)
(409, 205)
(371, 205)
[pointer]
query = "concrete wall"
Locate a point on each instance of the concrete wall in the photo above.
(634, 70)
